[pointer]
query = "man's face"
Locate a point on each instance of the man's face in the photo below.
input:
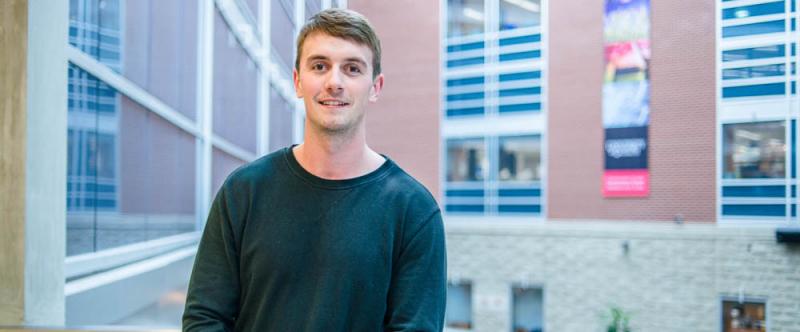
(335, 82)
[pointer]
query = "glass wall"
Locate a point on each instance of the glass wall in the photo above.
(493, 73)
(757, 110)
(139, 161)
(129, 169)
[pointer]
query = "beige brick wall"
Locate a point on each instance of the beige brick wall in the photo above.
(671, 279)
(682, 130)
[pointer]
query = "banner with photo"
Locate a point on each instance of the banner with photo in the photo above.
(626, 98)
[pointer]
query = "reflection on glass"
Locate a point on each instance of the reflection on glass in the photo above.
(743, 316)
(94, 28)
(464, 17)
(282, 33)
(458, 312)
(466, 160)
(222, 165)
(520, 158)
(519, 13)
(528, 309)
(281, 116)
(151, 43)
(754, 150)
(312, 7)
(235, 89)
(130, 174)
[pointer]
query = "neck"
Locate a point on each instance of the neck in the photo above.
(336, 157)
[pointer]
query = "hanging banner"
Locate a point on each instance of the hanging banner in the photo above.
(626, 98)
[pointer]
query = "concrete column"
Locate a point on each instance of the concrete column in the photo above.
(13, 38)
(33, 145)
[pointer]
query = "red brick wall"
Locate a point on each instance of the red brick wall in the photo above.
(682, 122)
(404, 123)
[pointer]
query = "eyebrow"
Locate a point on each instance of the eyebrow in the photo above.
(322, 57)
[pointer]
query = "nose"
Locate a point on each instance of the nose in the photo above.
(334, 82)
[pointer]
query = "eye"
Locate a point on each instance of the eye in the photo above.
(353, 69)
(319, 66)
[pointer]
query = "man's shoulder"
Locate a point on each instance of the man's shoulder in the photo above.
(406, 185)
(256, 171)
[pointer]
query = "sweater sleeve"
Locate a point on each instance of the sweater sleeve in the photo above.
(417, 295)
(213, 297)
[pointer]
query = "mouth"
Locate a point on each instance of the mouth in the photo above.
(333, 103)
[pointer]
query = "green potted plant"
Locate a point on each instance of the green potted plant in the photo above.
(619, 321)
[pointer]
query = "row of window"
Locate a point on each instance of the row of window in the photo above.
(758, 76)
(527, 307)
(468, 17)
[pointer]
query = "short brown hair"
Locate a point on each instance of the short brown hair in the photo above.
(345, 24)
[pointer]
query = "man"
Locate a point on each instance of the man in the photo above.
(327, 235)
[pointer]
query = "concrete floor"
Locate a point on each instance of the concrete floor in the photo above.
(164, 313)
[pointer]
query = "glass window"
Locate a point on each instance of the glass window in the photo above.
(152, 43)
(235, 88)
(528, 309)
(312, 7)
(744, 316)
(753, 10)
(280, 121)
(753, 29)
(458, 312)
(754, 150)
(130, 174)
(282, 34)
(763, 52)
(520, 158)
(222, 165)
(519, 13)
(466, 160)
(464, 17)
(755, 71)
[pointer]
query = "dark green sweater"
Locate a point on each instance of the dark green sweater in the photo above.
(284, 250)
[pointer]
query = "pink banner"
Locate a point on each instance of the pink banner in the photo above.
(626, 183)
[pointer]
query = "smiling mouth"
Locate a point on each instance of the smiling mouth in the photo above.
(335, 103)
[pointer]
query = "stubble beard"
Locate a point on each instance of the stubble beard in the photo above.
(335, 130)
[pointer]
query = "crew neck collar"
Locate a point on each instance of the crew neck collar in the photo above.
(317, 181)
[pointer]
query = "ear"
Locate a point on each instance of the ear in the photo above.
(298, 89)
(375, 90)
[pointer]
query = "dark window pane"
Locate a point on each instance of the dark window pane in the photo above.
(744, 316)
(769, 89)
(520, 158)
(466, 160)
(754, 150)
